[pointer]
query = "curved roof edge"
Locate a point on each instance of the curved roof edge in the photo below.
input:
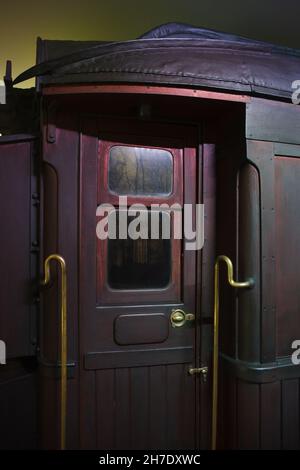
(172, 54)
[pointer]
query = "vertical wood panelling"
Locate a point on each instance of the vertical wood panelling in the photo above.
(158, 407)
(139, 408)
(204, 389)
(270, 415)
(260, 416)
(290, 414)
(227, 422)
(50, 318)
(105, 409)
(248, 405)
(88, 418)
(15, 207)
(174, 406)
(188, 389)
(207, 256)
(226, 245)
(62, 157)
(49, 414)
(209, 248)
(123, 408)
(287, 171)
(18, 413)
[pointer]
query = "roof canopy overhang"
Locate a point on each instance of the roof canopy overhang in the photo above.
(172, 55)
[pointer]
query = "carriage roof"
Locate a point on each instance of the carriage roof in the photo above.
(172, 54)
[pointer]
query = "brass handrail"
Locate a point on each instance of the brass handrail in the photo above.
(63, 335)
(240, 285)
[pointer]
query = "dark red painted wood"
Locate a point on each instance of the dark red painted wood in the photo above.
(59, 210)
(287, 174)
(227, 151)
(123, 411)
(290, 414)
(98, 343)
(141, 89)
(141, 329)
(270, 396)
(261, 155)
(18, 405)
(228, 413)
(248, 416)
(104, 407)
(16, 206)
(19, 242)
(249, 263)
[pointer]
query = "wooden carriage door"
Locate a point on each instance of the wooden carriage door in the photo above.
(136, 391)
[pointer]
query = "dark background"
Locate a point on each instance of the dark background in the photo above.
(22, 21)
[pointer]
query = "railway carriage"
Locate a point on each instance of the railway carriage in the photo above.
(143, 344)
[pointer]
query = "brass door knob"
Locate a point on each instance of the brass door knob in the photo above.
(179, 318)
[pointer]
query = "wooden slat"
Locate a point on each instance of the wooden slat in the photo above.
(270, 416)
(123, 408)
(158, 407)
(227, 418)
(174, 407)
(139, 384)
(248, 429)
(203, 390)
(142, 89)
(290, 414)
(188, 436)
(18, 408)
(15, 242)
(87, 415)
(105, 409)
(209, 249)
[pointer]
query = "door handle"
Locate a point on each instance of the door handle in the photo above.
(63, 339)
(180, 318)
(240, 285)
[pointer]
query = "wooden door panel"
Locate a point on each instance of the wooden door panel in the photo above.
(135, 409)
(104, 322)
(141, 328)
(135, 364)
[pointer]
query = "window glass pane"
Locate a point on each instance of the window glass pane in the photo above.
(139, 264)
(140, 171)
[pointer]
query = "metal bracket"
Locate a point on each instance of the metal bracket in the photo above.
(203, 371)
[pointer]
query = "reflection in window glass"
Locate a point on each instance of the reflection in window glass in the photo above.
(140, 171)
(139, 264)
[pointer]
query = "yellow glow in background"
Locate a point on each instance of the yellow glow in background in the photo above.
(21, 22)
